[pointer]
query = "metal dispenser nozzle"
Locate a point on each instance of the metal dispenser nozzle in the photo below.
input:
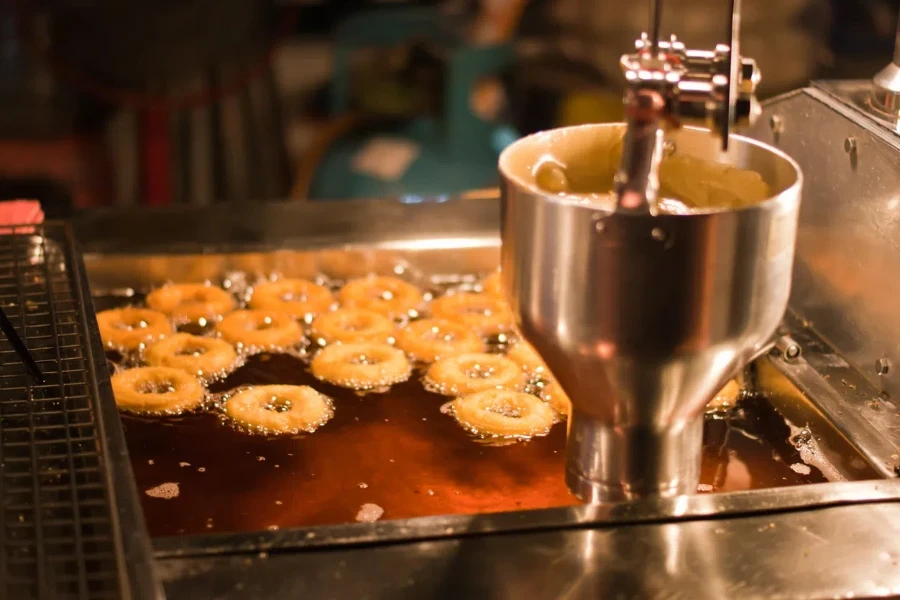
(641, 316)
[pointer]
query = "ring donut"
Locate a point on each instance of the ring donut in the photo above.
(491, 285)
(484, 314)
(363, 366)
(132, 328)
(279, 409)
(475, 372)
(428, 340)
(727, 398)
(389, 296)
(201, 356)
(503, 413)
(157, 390)
(296, 297)
(191, 302)
(554, 395)
(352, 325)
(527, 357)
(260, 329)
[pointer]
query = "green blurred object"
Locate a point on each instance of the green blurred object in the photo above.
(426, 139)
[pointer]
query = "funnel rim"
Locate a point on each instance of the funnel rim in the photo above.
(578, 200)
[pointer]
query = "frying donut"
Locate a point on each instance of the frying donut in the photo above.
(279, 409)
(296, 297)
(362, 366)
(475, 372)
(131, 328)
(260, 329)
(503, 413)
(428, 340)
(351, 325)
(201, 356)
(157, 390)
(486, 315)
(392, 297)
(491, 285)
(726, 398)
(554, 395)
(527, 357)
(191, 302)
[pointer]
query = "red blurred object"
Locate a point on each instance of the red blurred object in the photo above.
(20, 212)
(156, 169)
(80, 163)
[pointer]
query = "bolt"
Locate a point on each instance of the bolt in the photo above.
(850, 145)
(789, 349)
(882, 366)
(776, 124)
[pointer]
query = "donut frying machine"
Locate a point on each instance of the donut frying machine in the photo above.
(641, 314)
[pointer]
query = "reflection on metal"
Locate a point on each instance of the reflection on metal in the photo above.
(839, 552)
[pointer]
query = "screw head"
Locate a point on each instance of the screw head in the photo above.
(849, 144)
(776, 124)
(882, 366)
(750, 76)
(746, 110)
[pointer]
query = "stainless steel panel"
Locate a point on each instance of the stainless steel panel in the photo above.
(841, 552)
(848, 253)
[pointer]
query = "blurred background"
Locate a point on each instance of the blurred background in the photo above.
(127, 103)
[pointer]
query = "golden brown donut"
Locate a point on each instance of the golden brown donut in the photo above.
(469, 373)
(351, 325)
(726, 398)
(132, 328)
(527, 357)
(257, 330)
(362, 366)
(503, 413)
(296, 297)
(554, 395)
(491, 285)
(428, 340)
(157, 390)
(191, 302)
(201, 356)
(279, 409)
(483, 314)
(389, 296)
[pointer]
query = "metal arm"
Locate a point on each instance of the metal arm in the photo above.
(666, 83)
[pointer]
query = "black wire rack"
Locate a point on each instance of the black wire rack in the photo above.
(69, 522)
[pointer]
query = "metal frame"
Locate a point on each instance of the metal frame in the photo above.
(79, 531)
(759, 543)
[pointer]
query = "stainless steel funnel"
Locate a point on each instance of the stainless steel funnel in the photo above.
(642, 318)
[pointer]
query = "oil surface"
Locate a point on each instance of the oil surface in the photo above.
(396, 450)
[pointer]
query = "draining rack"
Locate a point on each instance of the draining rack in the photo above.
(70, 523)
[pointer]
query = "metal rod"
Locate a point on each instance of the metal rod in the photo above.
(897, 45)
(20, 347)
(655, 24)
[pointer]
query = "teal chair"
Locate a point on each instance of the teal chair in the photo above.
(427, 156)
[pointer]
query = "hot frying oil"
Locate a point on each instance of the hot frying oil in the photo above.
(395, 450)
